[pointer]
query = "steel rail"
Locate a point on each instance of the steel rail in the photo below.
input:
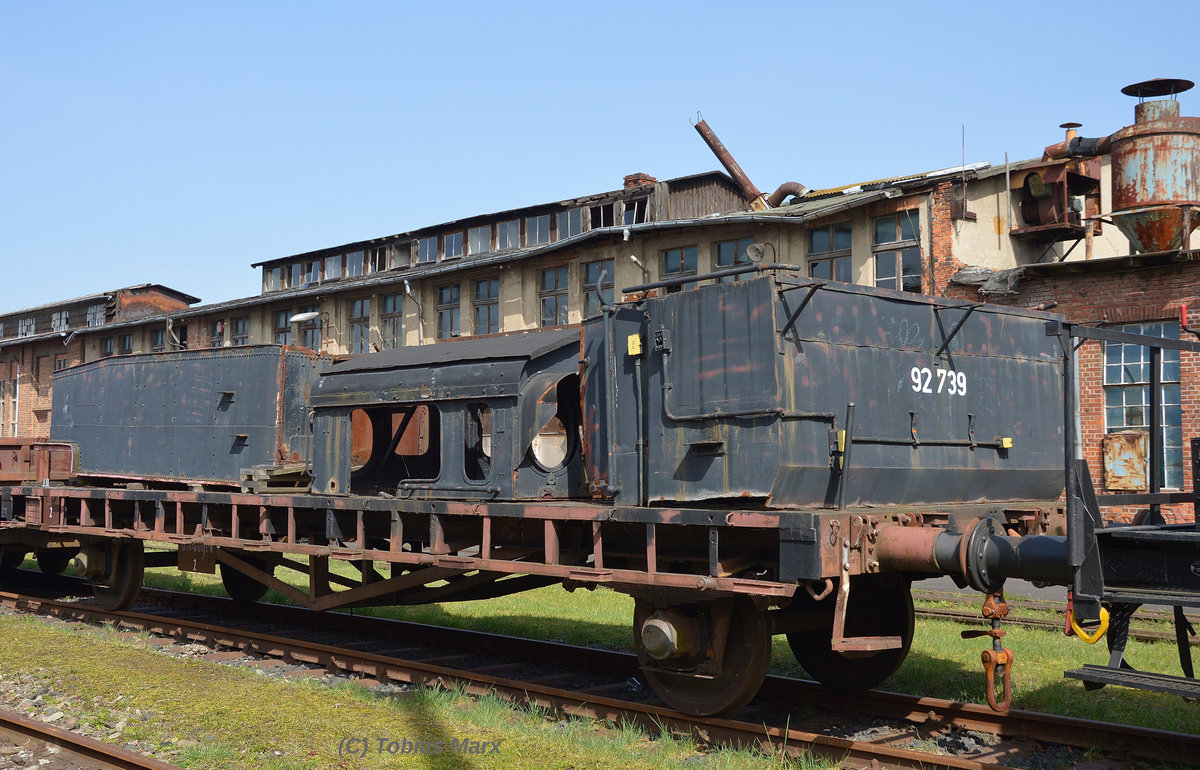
(1050, 624)
(709, 730)
(1144, 742)
(19, 728)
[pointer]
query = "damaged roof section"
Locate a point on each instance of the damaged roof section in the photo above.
(998, 283)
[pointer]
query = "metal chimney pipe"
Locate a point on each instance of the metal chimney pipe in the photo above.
(749, 191)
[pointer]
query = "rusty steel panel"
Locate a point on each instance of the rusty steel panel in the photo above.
(29, 461)
(1155, 169)
(1126, 458)
(187, 416)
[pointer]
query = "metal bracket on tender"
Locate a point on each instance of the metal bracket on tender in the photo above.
(840, 642)
(957, 327)
(791, 321)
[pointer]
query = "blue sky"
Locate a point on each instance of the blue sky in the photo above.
(178, 143)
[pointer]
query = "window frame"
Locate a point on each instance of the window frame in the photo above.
(479, 240)
(508, 235)
(573, 218)
(449, 311)
(828, 263)
(683, 270)
(309, 332)
(557, 294)
(602, 215)
(897, 250)
(239, 331)
(391, 322)
(635, 211)
(1116, 363)
(489, 304)
(536, 231)
(452, 245)
(591, 271)
(427, 250)
(282, 333)
(739, 256)
(360, 326)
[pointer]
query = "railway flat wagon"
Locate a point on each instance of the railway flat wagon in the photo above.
(767, 454)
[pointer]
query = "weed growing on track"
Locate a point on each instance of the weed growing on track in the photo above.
(941, 664)
(201, 715)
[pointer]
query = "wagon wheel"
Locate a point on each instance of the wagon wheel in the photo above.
(52, 561)
(240, 586)
(11, 560)
(122, 586)
(743, 666)
(877, 607)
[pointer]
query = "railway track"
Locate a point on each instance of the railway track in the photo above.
(595, 683)
(72, 749)
(1143, 631)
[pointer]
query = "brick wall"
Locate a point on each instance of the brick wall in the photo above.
(1117, 297)
(31, 368)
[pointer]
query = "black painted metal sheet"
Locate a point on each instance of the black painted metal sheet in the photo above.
(744, 393)
(193, 415)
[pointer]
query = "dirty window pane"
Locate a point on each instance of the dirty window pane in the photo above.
(841, 269)
(730, 253)
(819, 269)
(427, 250)
(487, 306)
(508, 235)
(333, 268)
(885, 269)
(452, 245)
(591, 274)
(570, 223)
(885, 229)
(819, 240)
(909, 225)
(480, 240)
(448, 311)
(679, 261)
(841, 236)
(910, 270)
(390, 324)
(537, 230)
(554, 296)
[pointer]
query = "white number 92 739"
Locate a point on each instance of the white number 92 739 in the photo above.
(948, 381)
